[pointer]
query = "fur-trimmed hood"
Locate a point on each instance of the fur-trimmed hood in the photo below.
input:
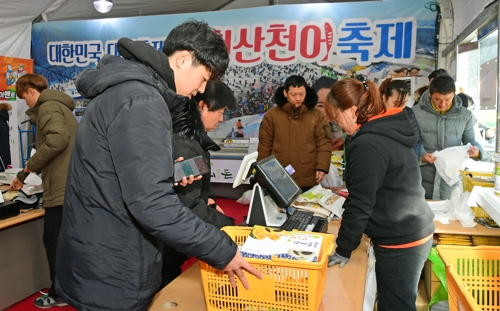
(187, 124)
(5, 106)
(310, 101)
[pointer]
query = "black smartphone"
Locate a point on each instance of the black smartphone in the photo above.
(194, 166)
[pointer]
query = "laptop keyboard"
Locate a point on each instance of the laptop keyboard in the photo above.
(299, 220)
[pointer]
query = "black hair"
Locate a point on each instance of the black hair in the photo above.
(323, 83)
(442, 84)
(217, 95)
(295, 81)
(205, 44)
(437, 73)
(400, 86)
(467, 101)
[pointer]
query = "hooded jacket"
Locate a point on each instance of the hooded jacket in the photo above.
(120, 203)
(55, 133)
(4, 135)
(439, 131)
(297, 136)
(386, 199)
(191, 140)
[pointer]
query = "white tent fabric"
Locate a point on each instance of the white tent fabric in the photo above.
(464, 11)
(16, 16)
(15, 40)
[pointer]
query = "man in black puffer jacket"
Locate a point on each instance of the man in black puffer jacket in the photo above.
(120, 204)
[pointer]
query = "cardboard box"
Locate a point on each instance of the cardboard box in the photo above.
(421, 302)
(431, 281)
(434, 286)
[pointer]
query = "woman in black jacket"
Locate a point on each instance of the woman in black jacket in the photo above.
(386, 199)
(190, 123)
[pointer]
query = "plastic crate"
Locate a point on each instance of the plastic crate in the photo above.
(473, 276)
(471, 179)
(287, 285)
(479, 212)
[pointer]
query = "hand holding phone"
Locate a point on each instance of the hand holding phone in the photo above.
(194, 166)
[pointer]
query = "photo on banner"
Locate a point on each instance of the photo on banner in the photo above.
(11, 69)
(265, 44)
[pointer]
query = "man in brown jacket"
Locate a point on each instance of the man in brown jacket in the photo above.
(52, 113)
(297, 133)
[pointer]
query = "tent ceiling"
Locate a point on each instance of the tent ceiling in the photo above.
(21, 11)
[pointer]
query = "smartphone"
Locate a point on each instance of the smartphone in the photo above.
(194, 166)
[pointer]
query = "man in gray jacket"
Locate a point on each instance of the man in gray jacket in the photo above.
(443, 123)
(120, 205)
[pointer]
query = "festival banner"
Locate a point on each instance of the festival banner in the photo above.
(266, 45)
(11, 69)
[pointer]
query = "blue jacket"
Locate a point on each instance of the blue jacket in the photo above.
(120, 204)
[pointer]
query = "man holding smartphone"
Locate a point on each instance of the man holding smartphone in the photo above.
(202, 114)
(120, 204)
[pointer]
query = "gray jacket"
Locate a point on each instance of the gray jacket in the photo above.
(440, 131)
(120, 204)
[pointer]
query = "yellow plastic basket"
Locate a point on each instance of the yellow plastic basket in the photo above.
(473, 277)
(471, 179)
(286, 285)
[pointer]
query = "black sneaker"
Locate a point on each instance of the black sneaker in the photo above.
(45, 302)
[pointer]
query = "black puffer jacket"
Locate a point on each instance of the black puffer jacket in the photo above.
(190, 140)
(120, 204)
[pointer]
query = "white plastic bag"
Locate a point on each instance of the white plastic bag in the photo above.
(332, 179)
(460, 209)
(246, 197)
(32, 184)
(33, 180)
(450, 161)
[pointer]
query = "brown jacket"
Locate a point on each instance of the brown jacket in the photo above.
(300, 137)
(55, 132)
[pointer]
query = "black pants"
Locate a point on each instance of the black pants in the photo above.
(51, 228)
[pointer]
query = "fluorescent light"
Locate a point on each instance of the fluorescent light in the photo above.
(103, 6)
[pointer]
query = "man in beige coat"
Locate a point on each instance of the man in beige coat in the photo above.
(52, 113)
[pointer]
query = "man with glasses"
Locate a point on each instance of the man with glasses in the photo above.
(444, 122)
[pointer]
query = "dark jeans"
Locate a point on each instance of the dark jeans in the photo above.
(51, 228)
(398, 272)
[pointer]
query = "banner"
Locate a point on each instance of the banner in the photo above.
(11, 69)
(266, 45)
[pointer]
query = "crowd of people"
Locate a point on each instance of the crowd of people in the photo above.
(113, 241)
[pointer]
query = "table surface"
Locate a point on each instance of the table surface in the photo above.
(23, 217)
(344, 288)
(455, 227)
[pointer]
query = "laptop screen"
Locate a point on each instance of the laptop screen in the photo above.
(278, 183)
